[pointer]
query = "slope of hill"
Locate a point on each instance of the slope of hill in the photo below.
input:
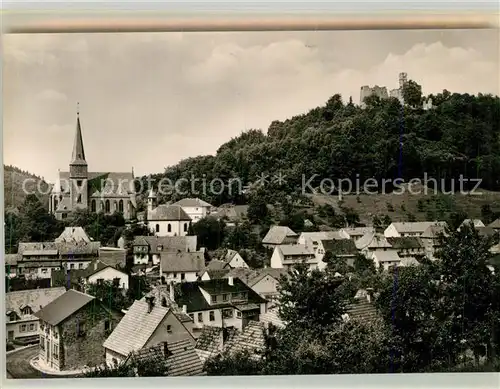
(458, 137)
(18, 184)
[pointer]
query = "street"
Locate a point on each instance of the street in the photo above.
(18, 365)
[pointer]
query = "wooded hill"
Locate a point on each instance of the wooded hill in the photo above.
(14, 194)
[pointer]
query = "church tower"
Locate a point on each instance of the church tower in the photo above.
(78, 171)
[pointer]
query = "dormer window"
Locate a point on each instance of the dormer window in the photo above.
(12, 316)
(27, 311)
(160, 248)
(214, 299)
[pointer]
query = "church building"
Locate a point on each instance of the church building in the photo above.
(106, 192)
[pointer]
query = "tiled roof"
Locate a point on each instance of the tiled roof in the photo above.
(96, 266)
(217, 273)
(361, 310)
(61, 248)
(340, 246)
(251, 339)
(277, 235)
(105, 184)
(433, 231)
(296, 250)
(415, 227)
(162, 291)
(192, 202)
(113, 257)
(372, 240)
(63, 306)
(31, 265)
(253, 276)
(211, 340)
(193, 298)
(406, 242)
(34, 298)
(166, 212)
(135, 328)
(11, 259)
(232, 212)
(73, 235)
(320, 235)
(40, 252)
(215, 264)
(386, 256)
(182, 262)
(475, 222)
(357, 231)
(167, 243)
(495, 224)
(272, 317)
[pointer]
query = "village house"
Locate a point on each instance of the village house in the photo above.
(385, 259)
(181, 267)
(195, 208)
(230, 259)
(113, 256)
(343, 249)
(372, 242)
(287, 256)
(73, 328)
(355, 233)
(403, 229)
(314, 240)
(279, 235)
(229, 302)
(20, 307)
(406, 247)
(495, 225)
(99, 271)
(147, 249)
(476, 223)
(105, 192)
(165, 219)
(178, 358)
(431, 239)
(231, 214)
(145, 324)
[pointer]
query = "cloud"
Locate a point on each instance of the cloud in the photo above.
(149, 100)
(51, 95)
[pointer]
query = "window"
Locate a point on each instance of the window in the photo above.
(93, 206)
(214, 299)
(22, 328)
(79, 183)
(107, 325)
(115, 361)
(64, 215)
(116, 282)
(80, 265)
(175, 275)
(79, 199)
(183, 276)
(158, 228)
(32, 327)
(236, 296)
(42, 342)
(238, 314)
(169, 228)
(224, 297)
(212, 316)
(120, 206)
(200, 317)
(42, 327)
(227, 313)
(12, 316)
(80, 328)
(72, 266)
(27, 311)
(185, 227)
(107, 206)
(169, 328)
(44, 270)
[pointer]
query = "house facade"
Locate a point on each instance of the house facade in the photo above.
(287, 256)
(195, 208)
(21, 324)
(406, 229)
(221, 302)
(104, 192)
(279, 235)
(166, 220)
(147, 249)
(72, 329)
(355, 233)
(99, 271)
(181, 267)
(146, 324)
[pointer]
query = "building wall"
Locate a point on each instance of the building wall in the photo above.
(177, 276)
(49, 347)
(15, 328)
(38, 272)
(196, 213)
(113, 355)
(238, 261)
(234, 321)
(177, 228)
(77, 264)
(99, 205)
(267, 286)
(277, 259)
(391, 232)
(162, 334)
(110, 274)
(86, 350)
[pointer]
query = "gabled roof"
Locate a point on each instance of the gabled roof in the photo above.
(192, 296)
(211, 340)
(63, 307)
(405, 242)
(272, 317)
(495, 224)
(372, 240)
(251, 339)
(357, 231)
(102, 185)
(96, 266)
(362, 310)
(216, 264)
(166, 212)
(182, 262)
(167, 243)
(192, 202)
(278, 234)
(115, 258)
(414, 227)
(317, 236)
(135, 328)
(433, 231)
(291, 250)
(161, 292)
(386, 256)
(340, 246)
(34, 298)
(475, 222)
(73, 235)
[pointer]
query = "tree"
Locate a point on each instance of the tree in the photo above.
(210, 232)
(412, 94)
(110, 294)
(231, 364)
(257, 212)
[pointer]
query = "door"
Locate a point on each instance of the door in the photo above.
(10, 335)
(47, 352)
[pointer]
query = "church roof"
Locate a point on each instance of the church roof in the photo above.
(168, 212)
(78, 155)
(105, 184)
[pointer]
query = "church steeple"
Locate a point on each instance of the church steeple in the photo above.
(78, 156)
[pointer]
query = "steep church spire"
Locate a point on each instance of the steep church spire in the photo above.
(78, 151)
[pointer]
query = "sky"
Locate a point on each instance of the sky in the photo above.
(148, 100)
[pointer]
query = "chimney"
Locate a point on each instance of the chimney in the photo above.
(172, 292)
(184, 309)
(151, 304)
(230, 280)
